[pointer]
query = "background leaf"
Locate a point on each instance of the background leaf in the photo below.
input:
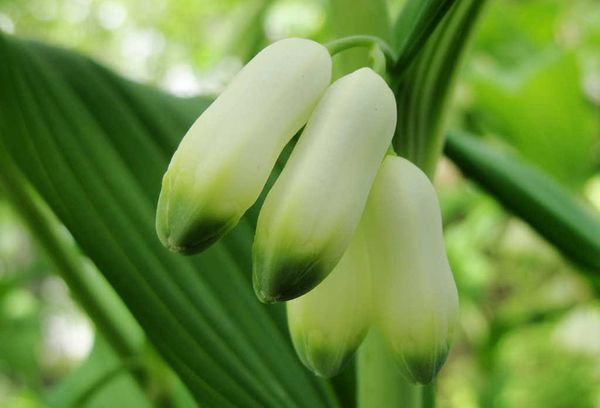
(95, 146)
(557, 135)
(424, 92)
(535, 197)
(418, 19)
(120, 390)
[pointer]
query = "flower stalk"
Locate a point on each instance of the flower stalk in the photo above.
(369, 41)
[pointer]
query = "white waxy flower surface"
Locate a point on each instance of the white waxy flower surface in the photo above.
(415, 298)
(328, 323)
(311, 212)
(224, 160)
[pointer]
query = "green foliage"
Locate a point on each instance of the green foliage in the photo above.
(94, 146)
(417, 20)
(558, 135)
(20, 334)
(104, 186)
(424, 91)
(535, 197)
(534, 382)
(77, 388)
(532, 84)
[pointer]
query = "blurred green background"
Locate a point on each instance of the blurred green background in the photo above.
(530, 324)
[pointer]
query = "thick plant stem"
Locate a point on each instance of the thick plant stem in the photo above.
(379, 381)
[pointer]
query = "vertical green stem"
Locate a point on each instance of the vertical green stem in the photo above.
(429, 396)
(379, 381)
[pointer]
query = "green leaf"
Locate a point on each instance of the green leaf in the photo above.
(558, 135)
(89, 288)
(95, 146)
(535, 197)
(417, 21)
(424, 92)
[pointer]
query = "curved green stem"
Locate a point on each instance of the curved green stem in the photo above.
(368, 41)
(378, 61)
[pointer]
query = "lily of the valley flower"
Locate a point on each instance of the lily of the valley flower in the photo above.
(328, 324)
(310, 214)
(224, 160)
(415, 298)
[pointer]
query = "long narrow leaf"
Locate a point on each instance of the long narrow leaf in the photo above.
(424, 92)
(417, 21)
(535, 197)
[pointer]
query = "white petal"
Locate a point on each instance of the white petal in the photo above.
(328, 324)
(224, 160)
(416, 301)
(311, 212)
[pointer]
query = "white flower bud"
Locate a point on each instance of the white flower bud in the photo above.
(328, 323)
(224, 160)
(415, 297)
(310, 214)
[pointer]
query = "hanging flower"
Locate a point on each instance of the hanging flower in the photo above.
(415, 299)
(310, 214)
(328, 323)
(353, 241)
(223, 162)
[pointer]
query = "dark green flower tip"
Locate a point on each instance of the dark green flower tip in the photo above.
(329, 323)
(177, 233)
(422, 369)
(323, 361)
(195, 237)
(224, 160)
(284, 279)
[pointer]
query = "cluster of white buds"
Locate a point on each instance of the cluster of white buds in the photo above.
(352, 238)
